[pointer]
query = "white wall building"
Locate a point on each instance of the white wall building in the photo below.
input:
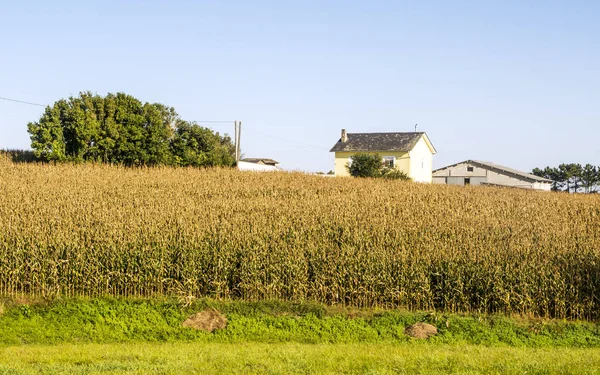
(474, 172)
(258, 165)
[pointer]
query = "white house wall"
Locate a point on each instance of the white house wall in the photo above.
(421, 162)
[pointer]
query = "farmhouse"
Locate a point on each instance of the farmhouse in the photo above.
(258, 164)
(474, 172)
(411, 153)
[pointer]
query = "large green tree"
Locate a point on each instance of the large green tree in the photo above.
(47, 135)
(119, 128)
(197, 146)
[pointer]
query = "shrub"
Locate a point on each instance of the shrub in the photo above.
(365, 165)
(395, 174)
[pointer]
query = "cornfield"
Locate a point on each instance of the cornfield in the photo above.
(97, 230)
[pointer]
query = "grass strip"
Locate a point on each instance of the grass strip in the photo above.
(110, 320)
(294, 358)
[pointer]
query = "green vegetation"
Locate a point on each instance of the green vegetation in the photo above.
(97, 230)
(142, 336)
(365, 164)
(572, 177)
(19, 156)
(137, 320)
(293, 358)
(120, 129)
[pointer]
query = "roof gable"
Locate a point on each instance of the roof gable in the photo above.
(373, 142)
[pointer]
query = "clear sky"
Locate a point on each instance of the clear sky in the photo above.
(511, 82)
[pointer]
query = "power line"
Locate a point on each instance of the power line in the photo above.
(21, 101)
(202, 122)
(264, 134)
(286, 140)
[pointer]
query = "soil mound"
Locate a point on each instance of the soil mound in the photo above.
(421, 331)
(207, 320)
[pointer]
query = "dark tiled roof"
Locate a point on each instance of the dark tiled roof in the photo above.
(261, 160)
(361, 142)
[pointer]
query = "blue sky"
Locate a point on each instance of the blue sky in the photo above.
(511, 82)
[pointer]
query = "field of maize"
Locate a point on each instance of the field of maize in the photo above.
(93, 230)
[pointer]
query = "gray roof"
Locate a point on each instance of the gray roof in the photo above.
(499, 169)
(266, 161)
(361, 142)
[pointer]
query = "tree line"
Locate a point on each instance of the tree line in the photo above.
(572, 178)
(120, 129)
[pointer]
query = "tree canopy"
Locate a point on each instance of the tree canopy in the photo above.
(572, 177)
(119, 128)
(371, 165)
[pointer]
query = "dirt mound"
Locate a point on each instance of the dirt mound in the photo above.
(421, 331)
(207, 320)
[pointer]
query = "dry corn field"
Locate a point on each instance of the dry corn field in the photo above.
(94, 230)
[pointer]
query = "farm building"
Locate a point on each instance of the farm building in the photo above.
(258, 164)
(411, 153)
(473, 172)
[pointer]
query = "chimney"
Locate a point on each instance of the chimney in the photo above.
(344, 136)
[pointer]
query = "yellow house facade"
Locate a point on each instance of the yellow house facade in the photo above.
(411, 153)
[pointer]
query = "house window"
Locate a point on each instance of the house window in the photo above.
(467, 181)
(469, 169)
(388, 161)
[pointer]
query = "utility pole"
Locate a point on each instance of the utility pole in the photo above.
(237, 143)
(235, 139)
(238, 132)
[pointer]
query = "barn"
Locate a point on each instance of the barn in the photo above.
(475, 172)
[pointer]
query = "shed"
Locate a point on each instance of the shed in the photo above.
(258, 164)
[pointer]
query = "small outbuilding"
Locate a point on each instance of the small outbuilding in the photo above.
(258, 164)
(475, 172)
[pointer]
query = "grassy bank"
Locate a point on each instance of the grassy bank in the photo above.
(160, 320)
(294, 358)
(146, 336)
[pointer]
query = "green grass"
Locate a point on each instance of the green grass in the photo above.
(294, 358)
(137, 321)
(136, 336)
